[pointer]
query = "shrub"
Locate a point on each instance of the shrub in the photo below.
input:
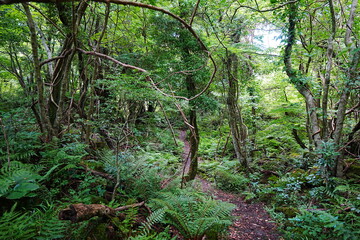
(137, 179)
(231, 182)
(20, 180)
(193, 214)
(317, 224)
(40, 224)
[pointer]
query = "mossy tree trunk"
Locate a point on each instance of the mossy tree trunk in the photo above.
(194, 137)
(236, 123)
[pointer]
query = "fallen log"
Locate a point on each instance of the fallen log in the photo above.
(81, 212)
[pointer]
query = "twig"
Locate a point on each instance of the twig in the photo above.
(130, 206)
(194, 12)
(47, 18)
(168, 122)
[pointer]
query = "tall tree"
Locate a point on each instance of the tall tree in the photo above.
(321, 127)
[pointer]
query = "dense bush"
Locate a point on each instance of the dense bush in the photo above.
(317, 224)
(228, 181)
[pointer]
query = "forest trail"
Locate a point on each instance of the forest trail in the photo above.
(252, 222)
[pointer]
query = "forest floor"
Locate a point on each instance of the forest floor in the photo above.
(252, 222)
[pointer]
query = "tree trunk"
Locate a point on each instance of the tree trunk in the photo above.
(44, 120)
(59, 82)
(194, 137)
(352, 74)
(237, 126)
(295, 79)
(340, 114)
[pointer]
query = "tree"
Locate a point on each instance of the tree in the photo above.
(320, 124)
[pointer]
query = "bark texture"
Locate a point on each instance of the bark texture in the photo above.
(81, 212)
(236, 123)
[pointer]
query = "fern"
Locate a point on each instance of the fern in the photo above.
(15, 225)
(17, 180)
(69, 154)
(20, 179)
(193, 214)
(47, 224)
(155, 217)
(158, 236)
(23, 141)
(136, 178)
(40, 224)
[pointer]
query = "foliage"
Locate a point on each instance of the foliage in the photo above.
(332, 207)
(40, 224)
(67, 153)
(327, 159)
(193, 214)
(54, 103)
(163, 161)
(155, 217)
(19, 180)
(23, 138)
(137, 178)
(164, 235)
(231, 182)
(317, 224)
(15, 225)
(91, 189)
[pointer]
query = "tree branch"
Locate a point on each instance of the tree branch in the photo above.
(147, 77)
(151, 7)
(194, 12)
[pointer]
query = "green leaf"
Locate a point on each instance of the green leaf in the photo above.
(16, 195)
(26, 187)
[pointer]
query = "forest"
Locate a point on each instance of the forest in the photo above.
(179, 119)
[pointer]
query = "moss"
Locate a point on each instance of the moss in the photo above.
(289, 212)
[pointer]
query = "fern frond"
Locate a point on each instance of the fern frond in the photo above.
(15, 225)
(193, 214)
(47, 224)
(155, 217)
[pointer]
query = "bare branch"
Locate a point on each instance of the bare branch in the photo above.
(194, 12)
(147, 77)
(51, 21)
(51, 59)
(352, 109)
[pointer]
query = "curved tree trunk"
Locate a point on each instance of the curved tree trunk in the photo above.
(352, 74)
(237, 126)
(302, 87)
(194, 137)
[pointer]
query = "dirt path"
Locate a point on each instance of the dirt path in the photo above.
(252, 221)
